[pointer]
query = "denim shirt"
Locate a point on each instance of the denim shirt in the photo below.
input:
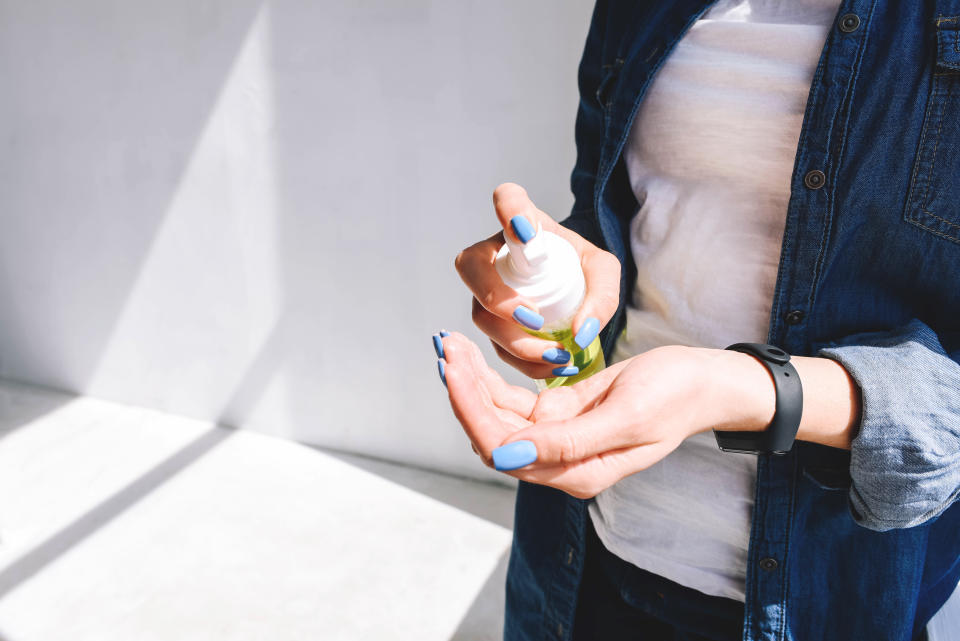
(844, 545)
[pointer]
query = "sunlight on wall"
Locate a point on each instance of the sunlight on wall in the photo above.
(207, 293)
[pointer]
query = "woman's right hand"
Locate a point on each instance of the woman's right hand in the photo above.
(501, 313)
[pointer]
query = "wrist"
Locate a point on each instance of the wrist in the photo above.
(741, 396)
(742, 393)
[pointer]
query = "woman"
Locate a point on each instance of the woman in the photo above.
(770, 171)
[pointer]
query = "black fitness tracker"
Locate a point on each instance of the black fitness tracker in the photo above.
(779, 436)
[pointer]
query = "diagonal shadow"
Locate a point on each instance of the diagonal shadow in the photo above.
(32, 562)
(22, 404)
(492, 502)
(484, 620)
(112, 98)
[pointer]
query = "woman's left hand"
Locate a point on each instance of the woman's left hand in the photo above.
(584, 438)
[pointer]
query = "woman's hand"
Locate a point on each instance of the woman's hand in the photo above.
(500, 313)
(584, 438)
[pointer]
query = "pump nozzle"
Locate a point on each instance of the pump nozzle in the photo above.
(526, 257)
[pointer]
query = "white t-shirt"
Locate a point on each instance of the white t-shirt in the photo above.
(710, 156)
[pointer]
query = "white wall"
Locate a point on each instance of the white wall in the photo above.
(248, 211)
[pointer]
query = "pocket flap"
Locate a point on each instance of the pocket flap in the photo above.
(948, 42)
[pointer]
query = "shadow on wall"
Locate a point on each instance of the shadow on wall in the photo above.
(20, 405)
(247, 211)
(103, 107)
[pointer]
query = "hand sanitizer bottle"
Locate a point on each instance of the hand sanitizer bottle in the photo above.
(546, 270)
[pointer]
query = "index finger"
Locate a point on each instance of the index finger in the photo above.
(511, 201)
(477, 415)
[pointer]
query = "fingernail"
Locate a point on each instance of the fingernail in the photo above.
(514, 455)
(588, 332)
(571, 370)
(555, 355)
(523, 229)
(528, 318)
(443, 371)
(444, 333)
(438, 345)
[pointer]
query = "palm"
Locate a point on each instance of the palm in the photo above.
(613, 424)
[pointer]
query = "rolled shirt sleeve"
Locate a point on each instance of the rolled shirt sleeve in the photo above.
(905, 458)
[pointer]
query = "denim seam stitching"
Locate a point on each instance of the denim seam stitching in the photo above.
(920, 204)
(940, 218)
(916, 168)
(753, 553)
(940, 21)
(844, 111)
(785, 588)
(941, 97)
(576, 510)
(924, 203)
(784, 279)
(933, 231)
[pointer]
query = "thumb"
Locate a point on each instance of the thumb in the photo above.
(566, 442)
(601, 270)
(517, 214)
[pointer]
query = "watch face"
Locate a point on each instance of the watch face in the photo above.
(765, 352)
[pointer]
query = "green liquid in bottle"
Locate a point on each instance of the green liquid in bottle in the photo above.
(589, 360)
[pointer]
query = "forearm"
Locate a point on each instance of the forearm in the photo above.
(745, 397)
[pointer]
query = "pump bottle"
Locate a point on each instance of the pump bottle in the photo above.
(546, 271)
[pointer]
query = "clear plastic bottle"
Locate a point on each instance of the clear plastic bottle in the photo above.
(546, 271)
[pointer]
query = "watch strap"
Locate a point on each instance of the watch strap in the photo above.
(778, 438)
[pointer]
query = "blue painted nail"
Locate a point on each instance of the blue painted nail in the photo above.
(528, 318)
(571, 370)
(588, 332)
(557, 356)
(443, 371)
(514, 455)
(438, 346)
(444, 333)
(523, 229)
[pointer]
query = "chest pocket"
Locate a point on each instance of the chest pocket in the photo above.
(934, 200)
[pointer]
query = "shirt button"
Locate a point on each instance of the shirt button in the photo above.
(814, 179)
(769, 564)
(794, 317)
(849, 23)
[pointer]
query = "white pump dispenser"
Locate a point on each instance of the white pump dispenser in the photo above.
(546, 271)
